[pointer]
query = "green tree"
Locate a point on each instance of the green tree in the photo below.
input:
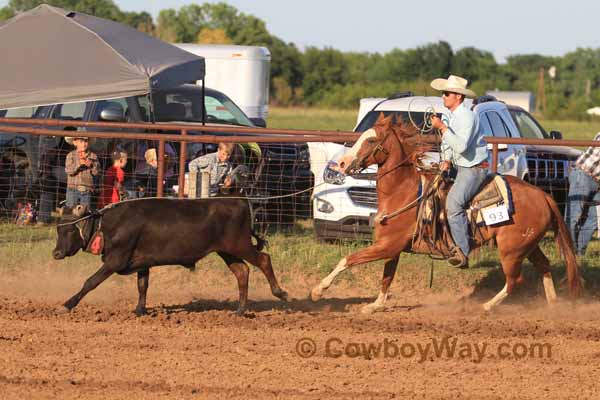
(323, 69)
(286, 62)
(167, 25)
(474, 64)
(213, 36)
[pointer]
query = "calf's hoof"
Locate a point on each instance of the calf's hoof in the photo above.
(69, 305)
(141, 311)
(281, 294)
(240, 312)
(63, 310)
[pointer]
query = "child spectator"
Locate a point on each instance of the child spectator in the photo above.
(81, 166)
(217, 164)
(114, 179)
(146, 177)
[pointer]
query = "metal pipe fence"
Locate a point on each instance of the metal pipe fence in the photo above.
(279, 173)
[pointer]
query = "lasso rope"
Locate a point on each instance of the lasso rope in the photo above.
(112, 205)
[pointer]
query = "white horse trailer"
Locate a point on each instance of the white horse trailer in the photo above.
(241, 72)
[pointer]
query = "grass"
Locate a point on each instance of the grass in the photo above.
(577, 130)
(312, 118)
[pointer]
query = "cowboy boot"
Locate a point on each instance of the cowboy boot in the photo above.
(458, 259)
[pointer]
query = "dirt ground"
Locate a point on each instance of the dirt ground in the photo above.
(192, 346)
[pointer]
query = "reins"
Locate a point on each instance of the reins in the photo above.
(404, 163)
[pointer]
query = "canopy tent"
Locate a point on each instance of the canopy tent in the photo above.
(51, 56)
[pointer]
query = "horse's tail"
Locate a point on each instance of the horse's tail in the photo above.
(565, 244)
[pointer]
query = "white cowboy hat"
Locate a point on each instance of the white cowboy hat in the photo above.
(454, 84)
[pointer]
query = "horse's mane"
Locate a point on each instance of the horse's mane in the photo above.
(413, 141)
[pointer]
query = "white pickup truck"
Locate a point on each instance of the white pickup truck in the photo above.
(342, 204)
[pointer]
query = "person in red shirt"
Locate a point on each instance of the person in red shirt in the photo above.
(114, 178)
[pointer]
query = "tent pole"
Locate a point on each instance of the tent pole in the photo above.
(203, 105)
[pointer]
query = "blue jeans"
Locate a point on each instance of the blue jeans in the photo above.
(75, 197)
(466, 185)
(581, 208)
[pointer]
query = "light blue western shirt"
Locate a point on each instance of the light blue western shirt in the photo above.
(462, 142)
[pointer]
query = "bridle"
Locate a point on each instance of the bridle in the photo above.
(379, 147)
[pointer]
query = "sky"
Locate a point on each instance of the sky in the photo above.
(505, 28)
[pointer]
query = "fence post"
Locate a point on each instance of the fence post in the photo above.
(494, 157)
(182, 156)
(161, 168)
(205, 185)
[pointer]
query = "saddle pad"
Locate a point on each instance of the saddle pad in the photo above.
(494, 193)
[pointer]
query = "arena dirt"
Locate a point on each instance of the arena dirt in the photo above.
(192, 346)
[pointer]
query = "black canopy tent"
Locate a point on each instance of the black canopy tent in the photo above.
(51, 56)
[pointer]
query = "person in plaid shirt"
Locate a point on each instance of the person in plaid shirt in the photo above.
(81, 167)
(583, 197)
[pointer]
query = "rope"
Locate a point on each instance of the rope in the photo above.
(108, 207)
(429, 111)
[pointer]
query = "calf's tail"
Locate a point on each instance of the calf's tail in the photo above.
(565, 244)
(260, 241)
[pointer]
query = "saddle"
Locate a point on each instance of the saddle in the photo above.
(432, 234)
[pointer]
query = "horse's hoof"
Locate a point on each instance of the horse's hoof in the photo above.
(372, 308)
(316, 294)
(487, 308)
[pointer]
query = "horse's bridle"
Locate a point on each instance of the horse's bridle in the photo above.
(379, 147)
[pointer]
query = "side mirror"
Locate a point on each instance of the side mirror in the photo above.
(556, 135)
(261, 123)
(501, 147)
(112, 114)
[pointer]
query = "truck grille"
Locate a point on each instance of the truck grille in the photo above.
(542, 168)
(363, 196)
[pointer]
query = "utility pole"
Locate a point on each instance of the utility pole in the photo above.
(540, 105)
(588, 89)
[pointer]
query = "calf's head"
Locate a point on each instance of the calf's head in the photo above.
(70, 233)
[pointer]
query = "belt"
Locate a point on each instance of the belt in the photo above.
(483, 164)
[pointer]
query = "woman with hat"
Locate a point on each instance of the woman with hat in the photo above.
(81, 167)
(463, 147)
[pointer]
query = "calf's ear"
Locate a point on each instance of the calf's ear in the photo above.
(79, 210)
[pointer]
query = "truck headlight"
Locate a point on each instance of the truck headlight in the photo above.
(333, 176)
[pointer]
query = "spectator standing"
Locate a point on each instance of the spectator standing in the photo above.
(81, 166)
(583, 198)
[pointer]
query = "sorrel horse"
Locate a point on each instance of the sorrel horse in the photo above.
(396, 148)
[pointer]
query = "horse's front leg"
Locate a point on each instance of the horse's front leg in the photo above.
(388, 276)
(377, 251)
